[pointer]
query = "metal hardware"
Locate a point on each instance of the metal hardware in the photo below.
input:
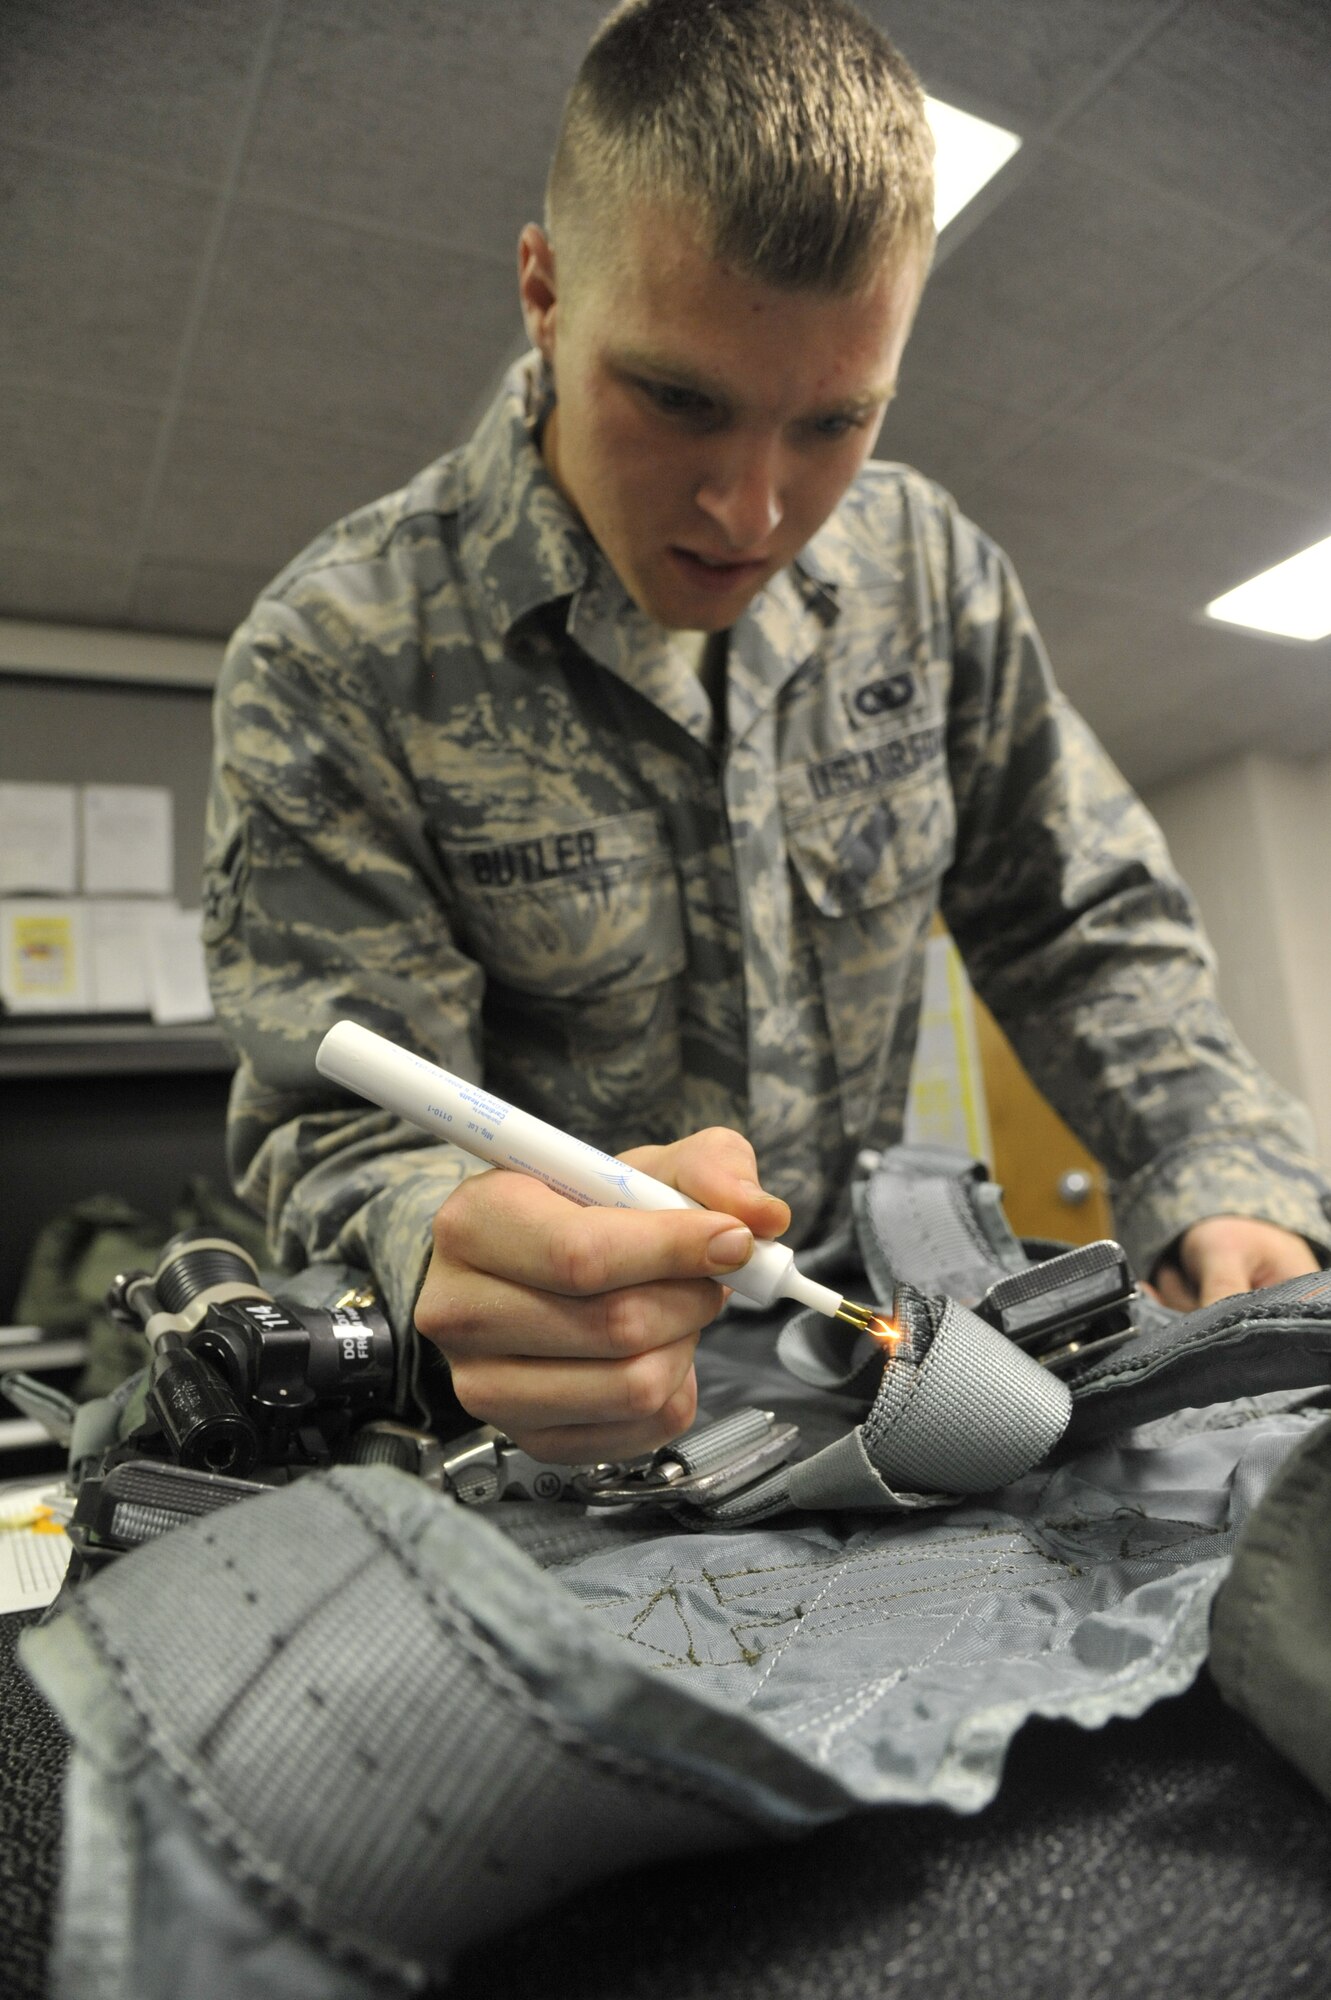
(1076, 1187)
(713, 1460)
(1067, 1307)
(668, 1479)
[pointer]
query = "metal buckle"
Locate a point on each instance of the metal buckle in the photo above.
(667, 1479)
(1068, 1309)
(485, 1465)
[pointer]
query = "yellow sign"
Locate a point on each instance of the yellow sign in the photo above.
(44, 958)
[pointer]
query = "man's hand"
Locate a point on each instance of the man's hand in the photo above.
(1228, 1254)
(573, 1329)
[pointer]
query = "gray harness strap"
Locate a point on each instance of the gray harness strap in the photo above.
(961, 1409)
(930, 1217)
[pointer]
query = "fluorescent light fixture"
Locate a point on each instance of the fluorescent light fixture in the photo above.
(967, 153)
(1293, 600)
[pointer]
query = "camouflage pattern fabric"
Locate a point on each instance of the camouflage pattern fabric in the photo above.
(466, 795)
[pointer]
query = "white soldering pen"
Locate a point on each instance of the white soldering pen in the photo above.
(448, 1107)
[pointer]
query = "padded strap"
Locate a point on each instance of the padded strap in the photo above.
(1278, 1338)
(929, 1216)
(400, 1800)
(959, 1410)
(1270, 1654)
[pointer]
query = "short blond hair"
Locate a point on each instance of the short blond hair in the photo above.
(792, 129)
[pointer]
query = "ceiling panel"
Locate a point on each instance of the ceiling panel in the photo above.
(238, 494)
(1069, 277)
(377, 110)
(73, 470)
(1226, 83)
(1223, 534)
(948, 431)
(139, 81)
(68, 586)
(106, 259)
(321, 325)
(1026, 60)
(1314, 243)
(1238, 374)
(199, 598)
(1299, 460)
(1074, 491)
(1172, 697)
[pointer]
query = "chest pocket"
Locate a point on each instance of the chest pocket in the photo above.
(579, 932)
(575, 911)
(869, 864)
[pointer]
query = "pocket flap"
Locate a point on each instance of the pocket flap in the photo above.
(865, 850)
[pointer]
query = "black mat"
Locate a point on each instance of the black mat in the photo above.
(1173, 1858)
(32, 1765)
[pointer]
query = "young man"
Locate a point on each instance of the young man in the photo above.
(623, 759)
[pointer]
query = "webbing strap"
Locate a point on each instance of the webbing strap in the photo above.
(928, 1217)
(970, 1414)
(975, 1413)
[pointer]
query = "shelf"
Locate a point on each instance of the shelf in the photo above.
(32, 1049)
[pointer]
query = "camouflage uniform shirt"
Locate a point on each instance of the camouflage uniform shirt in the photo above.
(466, 796)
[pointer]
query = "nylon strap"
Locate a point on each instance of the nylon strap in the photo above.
(928, 1216)
(967, 1412)
(972, 1414)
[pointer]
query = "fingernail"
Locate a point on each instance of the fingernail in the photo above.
(730, 1248)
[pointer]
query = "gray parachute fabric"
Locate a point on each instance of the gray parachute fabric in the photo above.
(352, 1724)
(327, 1737)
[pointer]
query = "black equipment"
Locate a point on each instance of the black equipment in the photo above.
(243, 1391)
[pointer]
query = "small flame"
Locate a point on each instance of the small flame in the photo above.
(883, 1329)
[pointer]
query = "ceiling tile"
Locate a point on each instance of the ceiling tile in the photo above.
(1045, 54)
(1300, 461)
(73, 469)
(947, 432)
(1256, 361)
(138, 81)
(253, 499)
(1220, 537)
(69, 586)
(197, 599)
(1115, 660)
(1230, 105)
(317, 325)
(1276, 701)
(1067, 278)
(438, 119)
(105, 259)
(1166, 695)
(1075, 490)
(1315, 242)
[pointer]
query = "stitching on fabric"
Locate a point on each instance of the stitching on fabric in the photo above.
(874, 1692)
(1133, 1669)
(625, 1768)
(799, 1625)
(228, 1841)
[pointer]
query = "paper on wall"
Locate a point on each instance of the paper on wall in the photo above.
(38, 843)
(44, 966)
(127, 840)
(118, 954)
(177, 979)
